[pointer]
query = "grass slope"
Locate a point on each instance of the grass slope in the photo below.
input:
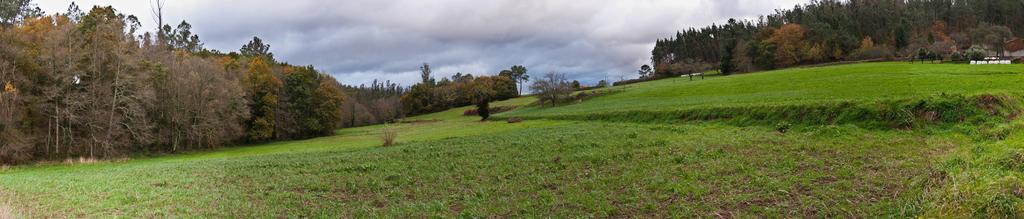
(451, 165)
(802, 86)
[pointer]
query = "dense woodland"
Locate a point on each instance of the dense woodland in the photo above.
(838, 30)
(93, 84)
(380, 102)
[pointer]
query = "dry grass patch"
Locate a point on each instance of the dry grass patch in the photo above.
(388, 135)
(89, 160)
(6, 211)
(81, 160)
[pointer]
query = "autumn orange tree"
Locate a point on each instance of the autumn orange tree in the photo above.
(81, 84)
(460, 90)
(789, 43)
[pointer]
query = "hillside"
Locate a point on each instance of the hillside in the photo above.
(863, 140)
(802, 86)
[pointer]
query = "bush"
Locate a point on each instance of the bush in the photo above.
(783, 127)
(957, 57)
(872, 53)
(975, 54)
(388, 135)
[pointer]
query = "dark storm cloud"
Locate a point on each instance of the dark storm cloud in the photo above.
(362, 40)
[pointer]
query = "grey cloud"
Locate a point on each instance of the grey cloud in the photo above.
(362, 40)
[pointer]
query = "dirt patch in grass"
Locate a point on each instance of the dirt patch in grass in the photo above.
(6, 211)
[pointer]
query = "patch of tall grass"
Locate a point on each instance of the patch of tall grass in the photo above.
(388, 135)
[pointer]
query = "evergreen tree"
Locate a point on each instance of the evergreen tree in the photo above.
(256, 48)
(519, 76)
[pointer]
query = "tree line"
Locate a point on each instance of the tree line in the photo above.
(380, 102)
(837, 30)
(92, 84)
(432, 95)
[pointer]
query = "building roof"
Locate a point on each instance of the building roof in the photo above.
(1015, 45)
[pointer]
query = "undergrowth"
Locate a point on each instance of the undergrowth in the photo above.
(983, 179)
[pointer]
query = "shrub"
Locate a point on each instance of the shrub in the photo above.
(483, 109)
(957, 56)
(878, 52)
(388, 134)
(783, 127)
(975, 54)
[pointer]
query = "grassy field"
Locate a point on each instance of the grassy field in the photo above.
(552, 165)
(860, 82)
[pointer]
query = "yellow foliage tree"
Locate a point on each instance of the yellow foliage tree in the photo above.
(262, 88)
(866, 44)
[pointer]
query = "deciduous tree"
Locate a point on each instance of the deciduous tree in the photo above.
(262, 88)
(789, 42)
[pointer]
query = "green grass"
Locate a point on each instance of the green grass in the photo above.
(635, 153)
(800, 86)
(561, 169)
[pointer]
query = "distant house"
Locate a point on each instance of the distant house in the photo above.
(1011, 49)
(1014, 48)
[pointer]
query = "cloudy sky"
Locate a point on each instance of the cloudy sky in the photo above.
(361, 40)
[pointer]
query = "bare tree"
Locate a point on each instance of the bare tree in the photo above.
(156, 7)
(553, 87)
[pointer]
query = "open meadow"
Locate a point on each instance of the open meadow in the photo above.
(861, 140)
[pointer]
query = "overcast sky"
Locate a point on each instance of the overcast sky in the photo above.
(361, 40)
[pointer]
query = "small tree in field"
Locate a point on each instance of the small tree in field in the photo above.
(552, 88)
